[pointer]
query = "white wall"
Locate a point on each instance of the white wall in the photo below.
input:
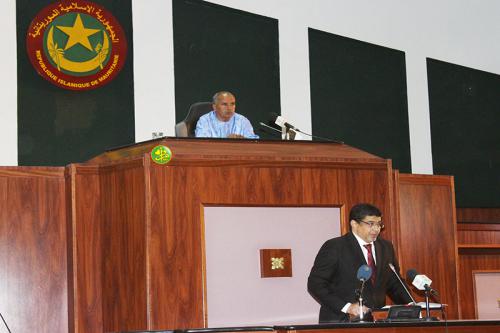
(153, 68)
(464, 32)
(8, 84)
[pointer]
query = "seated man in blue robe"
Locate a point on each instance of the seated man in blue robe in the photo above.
(223, 121)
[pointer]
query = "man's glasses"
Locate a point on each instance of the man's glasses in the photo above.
(373, 225)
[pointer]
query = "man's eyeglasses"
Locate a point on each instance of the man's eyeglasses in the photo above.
(373, 225)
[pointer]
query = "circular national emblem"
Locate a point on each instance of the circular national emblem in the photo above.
(76, 45)
(161, 154)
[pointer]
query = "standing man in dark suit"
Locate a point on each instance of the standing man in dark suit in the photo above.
(332, 281)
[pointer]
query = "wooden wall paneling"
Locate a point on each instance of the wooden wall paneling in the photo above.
(396, 231)
(391, 218)
(325, 186)
(478, 233)
(479, 249)
(471, 259)
(85, 248)
(122, 189)
(478, 215)
(370, 185)
(320, 185)
(180, 190)
(428, 233)
(33, 257)
(174, 247)
(72, 295)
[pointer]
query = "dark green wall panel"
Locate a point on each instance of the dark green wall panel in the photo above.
(220, 48)
(358, 95)
(465, 120)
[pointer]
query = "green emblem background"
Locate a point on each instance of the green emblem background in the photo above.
(161, 154)
(78, 52)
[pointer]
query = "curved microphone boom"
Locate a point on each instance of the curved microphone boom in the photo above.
(270, 127)
(391, 266)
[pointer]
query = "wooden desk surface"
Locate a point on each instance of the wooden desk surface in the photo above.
(455, 326)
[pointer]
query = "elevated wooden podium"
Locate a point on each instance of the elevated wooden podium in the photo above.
(115, 244)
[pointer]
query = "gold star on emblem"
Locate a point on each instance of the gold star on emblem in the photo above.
(78, 34)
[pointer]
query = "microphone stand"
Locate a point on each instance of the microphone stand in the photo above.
(360, 302)
(288, 133)
(427, 307)
(428, 317)
(319, 137)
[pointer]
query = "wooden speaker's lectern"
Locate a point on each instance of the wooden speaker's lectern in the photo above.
(152, 213)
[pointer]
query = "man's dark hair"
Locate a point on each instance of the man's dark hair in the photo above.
(360, 211)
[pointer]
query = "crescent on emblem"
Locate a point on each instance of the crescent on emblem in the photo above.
(57, 56)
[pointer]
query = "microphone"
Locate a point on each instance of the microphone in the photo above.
(281, 122)
(391, 266)
(364, 273)
(420, 281)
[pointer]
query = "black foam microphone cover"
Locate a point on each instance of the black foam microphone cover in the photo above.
(410, 274)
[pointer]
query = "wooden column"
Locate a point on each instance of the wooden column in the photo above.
(33, 250)
(427, 234)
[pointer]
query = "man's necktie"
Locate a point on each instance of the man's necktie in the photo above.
(371, 263)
